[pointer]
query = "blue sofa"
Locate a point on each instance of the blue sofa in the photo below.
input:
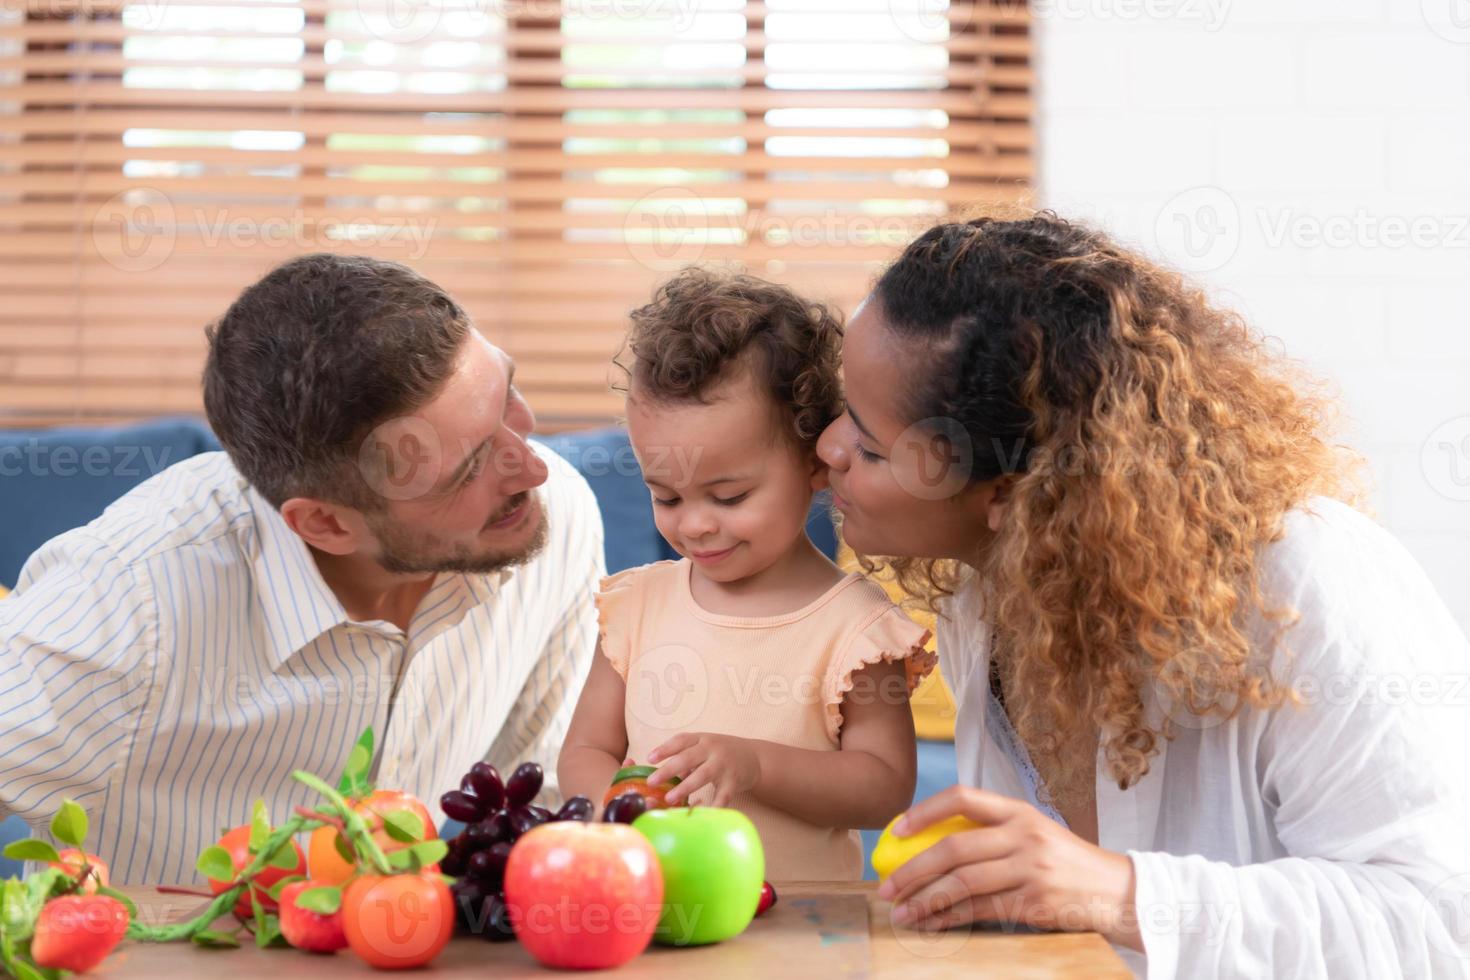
(58, 479)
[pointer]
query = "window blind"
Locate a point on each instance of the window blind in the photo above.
(546, 162)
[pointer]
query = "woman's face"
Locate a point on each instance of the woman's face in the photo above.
(901, 487)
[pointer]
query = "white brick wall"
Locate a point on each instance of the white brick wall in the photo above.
(1309, 160)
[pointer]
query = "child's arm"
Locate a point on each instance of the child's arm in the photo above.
(597, 738)
(865, 784)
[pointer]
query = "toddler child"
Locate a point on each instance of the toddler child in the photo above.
(752, 668)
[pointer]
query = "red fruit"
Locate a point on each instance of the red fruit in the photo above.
(634, 779)
(304, 929)
(78, 931)
(71, 863)
(398, 922)
(237, 842)
(768, 898)
(584, 895)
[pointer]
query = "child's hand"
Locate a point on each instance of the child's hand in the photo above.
(727, 763)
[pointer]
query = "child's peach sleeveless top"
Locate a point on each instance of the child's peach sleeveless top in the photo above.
(778, 678)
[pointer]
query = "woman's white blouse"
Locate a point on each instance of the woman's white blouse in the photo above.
(1326, 840)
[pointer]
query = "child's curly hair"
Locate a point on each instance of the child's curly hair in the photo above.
(703, 326)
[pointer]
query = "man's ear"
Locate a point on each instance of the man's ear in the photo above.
(325, 526)
(999, 502)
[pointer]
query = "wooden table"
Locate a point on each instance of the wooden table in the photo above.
(826, 930)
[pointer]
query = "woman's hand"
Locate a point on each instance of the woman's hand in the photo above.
(729, 764)
(1020, 867)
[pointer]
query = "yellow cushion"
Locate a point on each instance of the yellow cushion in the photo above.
(4, 592)
(933, 704)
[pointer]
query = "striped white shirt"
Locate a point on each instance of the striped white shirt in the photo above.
(177, 657)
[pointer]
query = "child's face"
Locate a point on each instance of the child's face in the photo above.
(730, 493)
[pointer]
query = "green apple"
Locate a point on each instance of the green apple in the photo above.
(713, 866)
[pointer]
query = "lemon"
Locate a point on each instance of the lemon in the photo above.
(893, 852)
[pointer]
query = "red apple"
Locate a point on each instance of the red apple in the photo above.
(583, 895)
(307, 930)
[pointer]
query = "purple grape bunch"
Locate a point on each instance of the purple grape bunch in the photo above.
(495, 815)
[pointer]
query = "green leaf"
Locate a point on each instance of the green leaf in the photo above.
(430, 851)
(404, 826)
(13, 908)
(344, 850)
(326, 900)
(257, 909)
(24, 971)
(215, 863)
(354, 780)
(268, 933)
(31, 850)
(260, 826)
(285, 857)
(127, 903)
(47, 883)
(274, 891)
(418, 856)
(210, 939)
(70, 824)
(262, 920)
(15, 948)
(40, 887)
(8, 958)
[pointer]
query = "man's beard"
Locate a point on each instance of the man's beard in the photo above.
(409, 551)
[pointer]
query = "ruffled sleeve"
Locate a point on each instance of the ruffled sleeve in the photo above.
(617, 607)
(891, 636)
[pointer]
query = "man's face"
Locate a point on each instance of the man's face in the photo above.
(458, 475)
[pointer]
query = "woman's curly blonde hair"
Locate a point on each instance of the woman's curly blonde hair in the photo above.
(1156, 444)
(705, 325)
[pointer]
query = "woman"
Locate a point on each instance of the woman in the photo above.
(1207, 708)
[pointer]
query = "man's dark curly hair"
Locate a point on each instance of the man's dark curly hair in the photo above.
(307, 361)
(704, 326)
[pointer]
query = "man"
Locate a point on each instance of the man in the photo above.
(379, 545)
